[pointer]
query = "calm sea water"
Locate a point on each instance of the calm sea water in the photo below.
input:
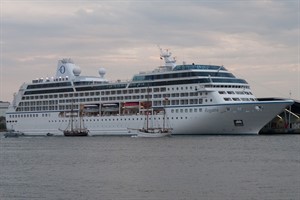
(180, 167)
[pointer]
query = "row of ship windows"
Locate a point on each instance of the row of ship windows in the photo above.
(32, 115)
(113, 119)
(109, 119)
(186, 94)
(48, 114)
(186, 110)
(112, 92)
(121, 92)
(117, 119)
(155, 103)
(134, 97)
(238, 99)
(228, 86)
(113, 98)
(235, 92)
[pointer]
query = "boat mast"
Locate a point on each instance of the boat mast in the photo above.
(164, 116)
(147, 111)
(80, 116)
(72, 117)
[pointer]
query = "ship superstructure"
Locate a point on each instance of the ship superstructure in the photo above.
(196, 99)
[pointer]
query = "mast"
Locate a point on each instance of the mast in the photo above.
(147, 111)
(164, 122)
(80, 115)
(72, 118)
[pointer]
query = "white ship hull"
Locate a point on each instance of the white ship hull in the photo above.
(243, 118)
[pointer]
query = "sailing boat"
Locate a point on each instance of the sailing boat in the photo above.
(72, 129)
(154, 132)
(148, 131)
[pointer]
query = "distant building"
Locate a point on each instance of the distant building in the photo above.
(3, 108)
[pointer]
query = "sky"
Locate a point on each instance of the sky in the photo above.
(257, 40)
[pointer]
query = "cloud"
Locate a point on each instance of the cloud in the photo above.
(122, 36)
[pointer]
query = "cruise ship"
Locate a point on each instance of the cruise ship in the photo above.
(190, 98)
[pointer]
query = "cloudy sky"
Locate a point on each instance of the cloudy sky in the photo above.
(257, 40)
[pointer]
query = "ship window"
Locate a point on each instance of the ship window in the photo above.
(184, 94)
(194, 94)
(227, 99)
(166, 95)
(235, 99)
(195, 109)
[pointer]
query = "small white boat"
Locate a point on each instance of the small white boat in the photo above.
(151, 132)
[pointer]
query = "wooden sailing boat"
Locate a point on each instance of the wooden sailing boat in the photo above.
(148, 131)
(154, 132)
(73, 129)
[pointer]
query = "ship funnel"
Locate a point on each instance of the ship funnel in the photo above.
(66, 68)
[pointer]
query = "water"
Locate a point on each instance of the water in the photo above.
(181, 167)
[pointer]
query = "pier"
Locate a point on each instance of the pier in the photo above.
(287, 122)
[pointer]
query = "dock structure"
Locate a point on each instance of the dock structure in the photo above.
(287, 122)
